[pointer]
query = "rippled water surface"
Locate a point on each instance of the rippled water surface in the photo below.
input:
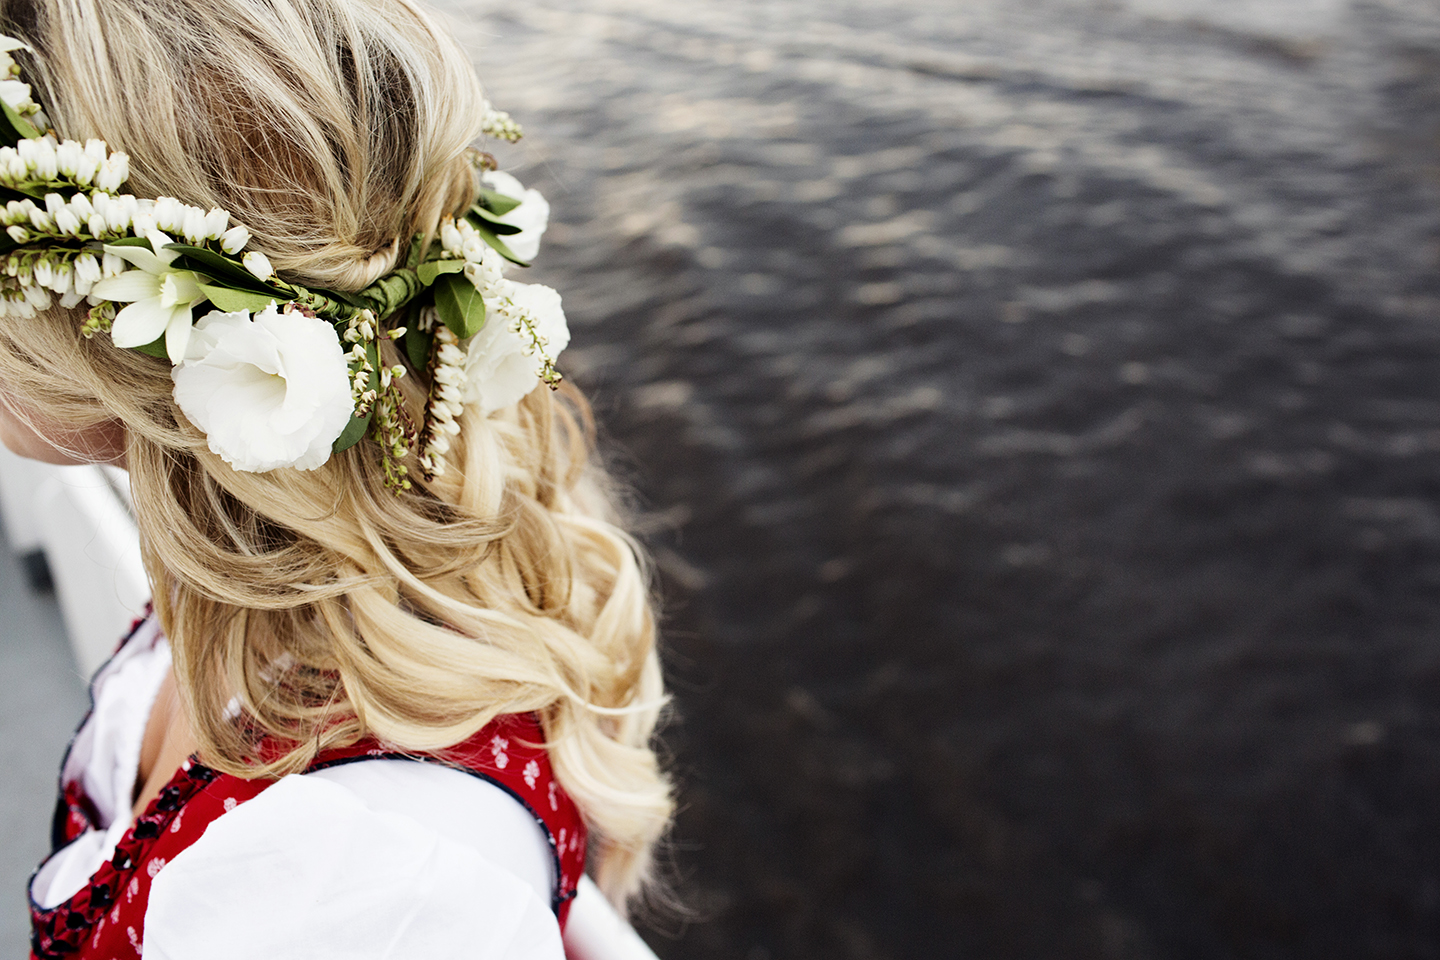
(1036, 407)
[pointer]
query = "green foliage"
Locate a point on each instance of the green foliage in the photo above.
(497, 203)
(353, 433)
(13, 127)
(233, 301)
(156, 348)
(429, 271)
(459, 305)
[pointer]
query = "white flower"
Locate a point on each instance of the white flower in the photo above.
(532, 216)
(258, 264)
(232, 241)
(160, 298)
(501, 367)
(268, 392)
(215, 223)
(12, 91)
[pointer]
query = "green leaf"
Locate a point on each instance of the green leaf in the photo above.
(460, 306)
(219, 267)
(234, 301)
(342, 296)
(155, 348)
(431, 269)
(498, 203)
(417, 347)
(498, 244)
(17, 127)
(417, 250)
(352, 434)
(493, 222)
(359, 426)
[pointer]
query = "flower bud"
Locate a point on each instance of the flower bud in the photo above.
(68, 157)
(215, 223)
(60, 282)
(87, 268)
(258, 265)
(232, 241)
(194, 226)
(37, 297)
(86, 169)
(67, 223)
(450, 237)
(46, 167)
(169, 215)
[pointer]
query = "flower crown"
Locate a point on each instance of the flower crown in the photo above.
(277, 374)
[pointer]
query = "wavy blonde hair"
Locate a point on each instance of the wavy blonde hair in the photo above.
(331, 607)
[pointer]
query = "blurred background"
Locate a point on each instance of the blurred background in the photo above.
(1034, 410)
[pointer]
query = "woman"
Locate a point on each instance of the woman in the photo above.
(400, 681)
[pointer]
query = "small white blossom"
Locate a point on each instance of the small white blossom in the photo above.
(232, 241)
(67, 223)
(194, 227)
(68, 156)
(215, 223)
(258, 264)
(12, 91)
(169, 215)
(272, 391)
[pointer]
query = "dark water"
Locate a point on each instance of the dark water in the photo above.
(1037, 407)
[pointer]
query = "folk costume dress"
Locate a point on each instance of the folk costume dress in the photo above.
(473, 851)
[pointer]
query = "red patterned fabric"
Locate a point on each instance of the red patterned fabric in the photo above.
(106, 919)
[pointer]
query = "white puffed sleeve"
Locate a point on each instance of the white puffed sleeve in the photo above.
(306, 871)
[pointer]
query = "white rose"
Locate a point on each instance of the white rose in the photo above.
(269, 392)
(532, 216)
(498, 369)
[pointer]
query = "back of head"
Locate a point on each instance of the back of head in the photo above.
(329, 604)
(333, 130)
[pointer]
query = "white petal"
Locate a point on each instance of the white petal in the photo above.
(177, 333)
(144, 259)
(140, 323)
(180, 286)
(128, 287)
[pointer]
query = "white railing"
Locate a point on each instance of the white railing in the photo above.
(80, 518)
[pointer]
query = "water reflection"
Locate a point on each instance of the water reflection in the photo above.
(1037, 407)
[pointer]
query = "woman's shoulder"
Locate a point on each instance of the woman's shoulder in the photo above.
(375, 858)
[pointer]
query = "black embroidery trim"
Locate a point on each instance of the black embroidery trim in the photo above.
(59, 931)
(62, 812)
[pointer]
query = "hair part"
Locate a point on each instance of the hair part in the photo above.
(331, 607)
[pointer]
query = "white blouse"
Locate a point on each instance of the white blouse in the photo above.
(374, 859)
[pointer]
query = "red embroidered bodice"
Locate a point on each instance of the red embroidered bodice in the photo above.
(106, 919)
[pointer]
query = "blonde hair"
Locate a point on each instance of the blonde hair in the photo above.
(331, 607)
